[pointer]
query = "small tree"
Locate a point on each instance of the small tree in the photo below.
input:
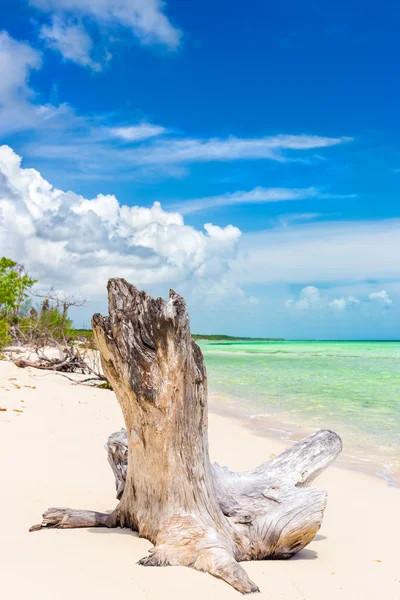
(14, 286)
(4, 333)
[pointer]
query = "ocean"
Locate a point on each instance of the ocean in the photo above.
(298, 386)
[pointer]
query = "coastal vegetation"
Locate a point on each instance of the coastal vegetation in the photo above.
(27, 317)
(39, 324)
(14, 286)
(31, 318)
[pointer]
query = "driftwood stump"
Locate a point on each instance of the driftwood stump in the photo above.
(196, 514)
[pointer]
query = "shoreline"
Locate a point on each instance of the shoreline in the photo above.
(287, 390)
(351, 457)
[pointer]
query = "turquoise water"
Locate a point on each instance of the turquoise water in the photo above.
(353, 387)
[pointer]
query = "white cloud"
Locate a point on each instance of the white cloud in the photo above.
(351, 300)
(341, 304)
(255, 196)
(309, 298)
(71, 40)
(17, 59)
(331, 251)
(78, 243)
(260, 195)
(95, 146)
(101, 150)
(232, 148)
(18, 107)
(137, 133)
(381, 297)
(338, 304)
(290, 219)
(144, 19)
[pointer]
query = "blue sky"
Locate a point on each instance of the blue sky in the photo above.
(278, 124)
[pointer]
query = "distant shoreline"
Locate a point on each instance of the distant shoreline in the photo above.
(88, 333)
(233, 338)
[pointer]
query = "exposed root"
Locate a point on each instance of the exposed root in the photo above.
(216, 561)
(69, 518)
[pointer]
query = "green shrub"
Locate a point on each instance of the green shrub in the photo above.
(5, 338)
(14, 286)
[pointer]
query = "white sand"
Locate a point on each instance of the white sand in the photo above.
(52, 454)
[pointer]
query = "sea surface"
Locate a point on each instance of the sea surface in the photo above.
(351, 387)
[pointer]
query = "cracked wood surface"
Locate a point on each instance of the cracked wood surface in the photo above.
(196, 514)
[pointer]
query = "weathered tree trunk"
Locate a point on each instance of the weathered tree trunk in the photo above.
(194, 513)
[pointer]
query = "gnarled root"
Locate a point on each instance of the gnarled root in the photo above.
(69, 518)
(269, 511)
(208, 554)
(274, 516)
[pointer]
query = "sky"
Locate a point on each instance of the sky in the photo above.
(246, 155)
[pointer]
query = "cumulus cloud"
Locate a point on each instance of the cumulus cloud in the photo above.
(311, 298)
(144, 19)
(340, 304)
(381, 297)
(78, 243)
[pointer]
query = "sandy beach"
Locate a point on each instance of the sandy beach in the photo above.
(51, 440)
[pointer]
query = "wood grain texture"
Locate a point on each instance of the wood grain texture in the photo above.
(196, 514)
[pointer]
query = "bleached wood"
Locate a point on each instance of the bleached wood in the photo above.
(69, 518)
(196, 514)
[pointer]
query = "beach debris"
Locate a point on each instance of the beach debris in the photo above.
(17, 410)
(2, 409)
(196, 514)
(70, 360)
